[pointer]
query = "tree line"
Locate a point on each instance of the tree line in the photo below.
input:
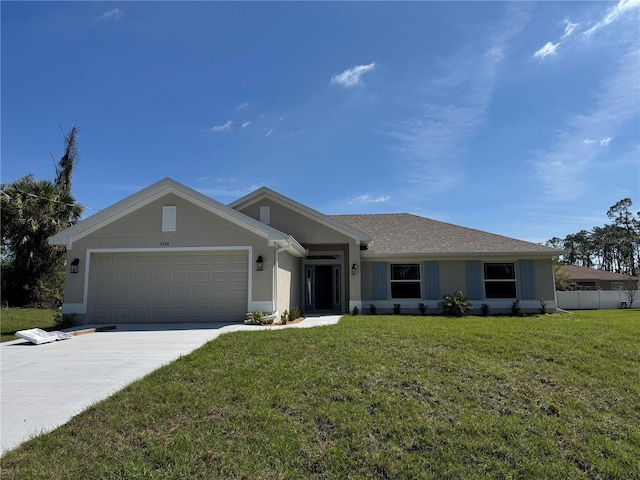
(32, 271)
(614, 247)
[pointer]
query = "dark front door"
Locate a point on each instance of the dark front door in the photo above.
(323, 288)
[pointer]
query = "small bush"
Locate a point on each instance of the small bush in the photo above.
(423, 308)
(485, 310)
(515, 308)
(284, 318)
(544, 307)
(355, 311)
(372, 309)
(295, 313)
(64, 320)
(257, 318)
(456, 305)
(396, 308)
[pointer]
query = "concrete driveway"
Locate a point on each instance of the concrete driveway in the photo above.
(43, 386)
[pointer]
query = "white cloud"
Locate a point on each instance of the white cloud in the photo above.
(366, 198)
(351, 77)
(242, 105)
(446, 113)
(569, 28)
(613, 14)
(245, 124)
(269, 132)
(114, 14)
(565, 167)
(548, 49)
(225, 127)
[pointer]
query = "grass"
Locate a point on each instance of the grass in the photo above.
(372, 397)
(15, 319)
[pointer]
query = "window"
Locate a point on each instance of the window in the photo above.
(169, 218)
(405, 280)
(616, 286)
(500, 280)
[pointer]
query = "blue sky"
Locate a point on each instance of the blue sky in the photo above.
(516, 118)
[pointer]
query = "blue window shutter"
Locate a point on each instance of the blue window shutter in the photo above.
(474, 279)
(380, 281)
(527, 280)
(432, 280)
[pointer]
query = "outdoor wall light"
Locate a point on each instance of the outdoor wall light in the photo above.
(354, 269)
(74, 265)
(259, 264)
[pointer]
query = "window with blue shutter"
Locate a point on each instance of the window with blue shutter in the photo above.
(474, 280)
(380, 280)
(527, 280)
(432, 280)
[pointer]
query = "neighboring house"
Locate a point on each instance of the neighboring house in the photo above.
(170, 254)
(586, 279)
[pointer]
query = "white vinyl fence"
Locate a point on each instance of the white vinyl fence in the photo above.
(598, 300)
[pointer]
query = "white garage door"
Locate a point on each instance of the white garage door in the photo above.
(168, 287)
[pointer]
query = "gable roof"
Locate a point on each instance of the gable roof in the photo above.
(330, 221)
(158, 190)
(576, 272)
(405, 234)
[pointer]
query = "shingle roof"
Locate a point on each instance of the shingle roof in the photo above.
(576, 272)
(403, 233)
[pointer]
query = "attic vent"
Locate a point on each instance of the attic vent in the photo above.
(265, 214)
(169, 218)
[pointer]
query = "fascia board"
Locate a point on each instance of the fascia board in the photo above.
(458, 256)
(319, 217)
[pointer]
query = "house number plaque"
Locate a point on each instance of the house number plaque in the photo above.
(164, 244)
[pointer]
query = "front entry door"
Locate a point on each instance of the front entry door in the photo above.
(323, 288)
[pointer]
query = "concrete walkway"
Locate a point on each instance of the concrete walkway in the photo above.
(43, 386)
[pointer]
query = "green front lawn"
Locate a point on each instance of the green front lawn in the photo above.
(15, 319)
(372, 397)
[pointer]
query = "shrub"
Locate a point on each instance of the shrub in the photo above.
(372, 309)
(396, 309)
(295, 313)
(63, 320)
(515, 308)
(257, 318)
(485, 310)
(355, 311)
(284, 318)
(423, 308)
(456, 305)
(544, 307)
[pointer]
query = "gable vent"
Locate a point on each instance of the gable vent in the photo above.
(169, 218)
(265, 214)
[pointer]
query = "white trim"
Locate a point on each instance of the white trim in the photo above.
(81, 308)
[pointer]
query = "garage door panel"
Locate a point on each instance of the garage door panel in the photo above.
(180, 277)
(200, 277)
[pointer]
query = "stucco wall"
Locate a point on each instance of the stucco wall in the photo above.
(195, 227)
(453, 278)
(289, 282)
(302, 228)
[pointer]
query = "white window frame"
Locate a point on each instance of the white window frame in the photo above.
(496, 280)
(393, 281)
(169, 218)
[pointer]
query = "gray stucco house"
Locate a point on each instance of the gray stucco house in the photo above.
(171, 254)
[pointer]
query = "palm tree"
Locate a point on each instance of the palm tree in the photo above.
(32, 211)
